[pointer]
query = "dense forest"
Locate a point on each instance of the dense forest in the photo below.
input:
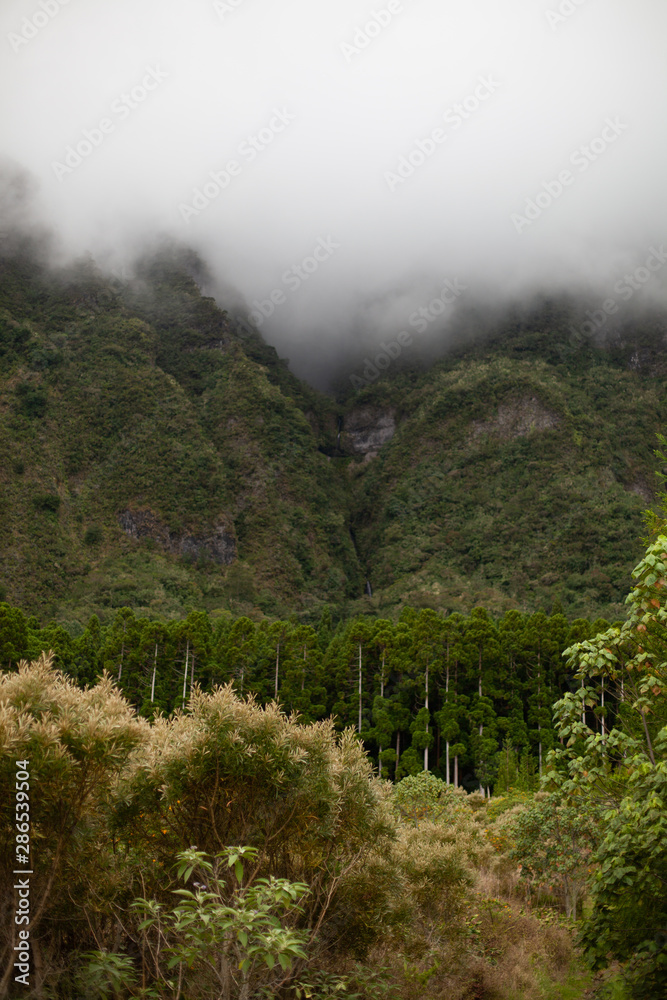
(467, 693)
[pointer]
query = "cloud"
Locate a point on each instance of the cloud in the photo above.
(413, 134)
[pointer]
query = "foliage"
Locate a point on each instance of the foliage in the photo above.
(140, 426)
(106, 972)
(624, 768)
(553, 840)
(329, 874)
(77, 743)
(425, 797)
(315, 673)
(237, 930)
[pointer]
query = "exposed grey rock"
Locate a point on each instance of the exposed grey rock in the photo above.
(517, 419)
(219, 546)
(367, 429)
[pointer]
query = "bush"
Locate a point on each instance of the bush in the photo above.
(553, 839)
(93, 536)
(76, 744)
(235, 933)
(424, 796)
(47, 502)
(116, 800)
(227, 771)
(32, 400)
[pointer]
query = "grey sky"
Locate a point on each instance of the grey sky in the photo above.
(347, 138)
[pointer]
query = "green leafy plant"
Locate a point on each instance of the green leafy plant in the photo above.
(424, 796)
(553, 840)
(619, 761)
(235, 930)
(106, 972)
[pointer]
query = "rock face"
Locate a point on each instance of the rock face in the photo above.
(367, 429)
(218, 546)
(517, 419)
(641, 488)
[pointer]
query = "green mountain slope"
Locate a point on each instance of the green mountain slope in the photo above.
(153, 455)
(149, 459)
(518, 472)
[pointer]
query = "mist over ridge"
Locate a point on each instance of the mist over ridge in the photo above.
(338, 167)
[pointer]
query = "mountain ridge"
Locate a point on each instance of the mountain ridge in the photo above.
(157, 454)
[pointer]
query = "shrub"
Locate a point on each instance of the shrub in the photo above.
(76, 744)
(424, 796)
(32, 400)
(553, 839)
(235, 933)
(93, 536)
(47, 502)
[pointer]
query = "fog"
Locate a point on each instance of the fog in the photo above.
(339, 165)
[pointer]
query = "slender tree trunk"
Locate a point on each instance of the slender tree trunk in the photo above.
(447, 703)
(38, 963)
(275, 689)
(185, 672)
(426, 707)
(479, 689)
(539, 704)
(456, 771)
(648, 739)
(602, 725)
(154, 672)
(481, 721)
(382, 696)
(359, 726)
(225, 976)
(192, 673)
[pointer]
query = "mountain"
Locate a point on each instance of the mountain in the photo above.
(156, 454)
(518, 470)
(151, 458)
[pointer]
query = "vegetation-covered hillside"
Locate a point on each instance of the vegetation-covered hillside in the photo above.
(150, 458)
(518, 471)
(154, 454)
